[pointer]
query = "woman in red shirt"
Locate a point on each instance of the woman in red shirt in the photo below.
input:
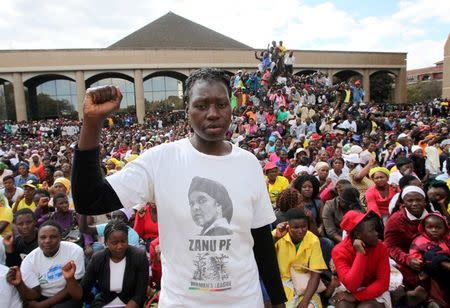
(379, 195)
(146, 223)
(362, 263)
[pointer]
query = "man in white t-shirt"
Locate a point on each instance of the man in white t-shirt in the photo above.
(40, 277)
(213, 208)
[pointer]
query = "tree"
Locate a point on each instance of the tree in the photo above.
(424, 91)
(381, 87)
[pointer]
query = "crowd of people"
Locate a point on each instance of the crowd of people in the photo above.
(360, 195)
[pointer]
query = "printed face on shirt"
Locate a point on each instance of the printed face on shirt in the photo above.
(209, 110)
(49, 239)
(204, 208)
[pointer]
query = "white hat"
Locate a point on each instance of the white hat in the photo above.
(402, 135)
(300, 150)
(355, 149)
(415, 148)
(352, 158)
(301, 169)
(445, 142)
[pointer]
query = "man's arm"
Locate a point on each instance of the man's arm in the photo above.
(266, 260)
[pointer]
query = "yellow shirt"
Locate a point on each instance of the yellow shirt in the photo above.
(347, 96)
(308, 256)
(281, 183)
(6, 214)
(23, 205)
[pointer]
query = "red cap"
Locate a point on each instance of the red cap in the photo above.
(315, 136)
(270, 165)
(351, 219)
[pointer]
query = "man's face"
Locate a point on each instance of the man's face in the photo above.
(22, 171)
(209, 110)
(25, 225)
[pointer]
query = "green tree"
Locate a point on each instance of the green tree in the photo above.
(424, 91)
(381, 90)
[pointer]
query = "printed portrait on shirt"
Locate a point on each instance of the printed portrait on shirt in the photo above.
(211, 207)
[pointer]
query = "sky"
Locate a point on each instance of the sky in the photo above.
(418, 27)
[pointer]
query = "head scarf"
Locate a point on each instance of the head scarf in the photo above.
(65, 182)
(412, 188)
(378, 169)
(320, 165)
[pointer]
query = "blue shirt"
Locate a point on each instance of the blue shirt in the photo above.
(19, 180)
(133, 237)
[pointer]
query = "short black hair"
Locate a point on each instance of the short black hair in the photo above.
(406, 180)
(402, 161)
(115, 225)
(296, 213)
(8, 177)
(57, 197)
(42, 192)
(23, 212)
(51, 223)
(205, 74)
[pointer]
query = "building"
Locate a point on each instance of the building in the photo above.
(152, 63)
(446, 81)
(427, 73)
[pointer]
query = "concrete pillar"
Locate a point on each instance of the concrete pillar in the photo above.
(19, 97)
(366, 85)
(446, 77)
(81, 90)
(139, 95)
(400, 87)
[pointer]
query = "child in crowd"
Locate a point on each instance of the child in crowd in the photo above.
(300, 260)
(432, 247)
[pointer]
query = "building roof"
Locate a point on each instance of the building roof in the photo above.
(172, 31)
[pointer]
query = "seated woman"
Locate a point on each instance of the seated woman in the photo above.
(400, 231)
(299, 248)
(308, 186)
(99, 230)
(40, 280)
(334, 210)
(120, 272)
(379, 195)
(362, 264)
(146, 223)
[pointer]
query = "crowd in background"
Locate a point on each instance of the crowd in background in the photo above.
(356, 188)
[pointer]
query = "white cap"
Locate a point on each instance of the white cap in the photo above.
(352, 158)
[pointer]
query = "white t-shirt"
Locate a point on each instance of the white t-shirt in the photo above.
(203, 267)
(9, 297)
(39, 270)
(117, 271)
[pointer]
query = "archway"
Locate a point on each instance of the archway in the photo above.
(7, 106)
(163, 91)
(51, 96)
(124, 82)
(382, 86)
(306, 72)
(347, 76)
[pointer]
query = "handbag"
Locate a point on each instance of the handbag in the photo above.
(300, 281)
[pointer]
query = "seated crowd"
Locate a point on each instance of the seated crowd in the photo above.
(361, 197)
